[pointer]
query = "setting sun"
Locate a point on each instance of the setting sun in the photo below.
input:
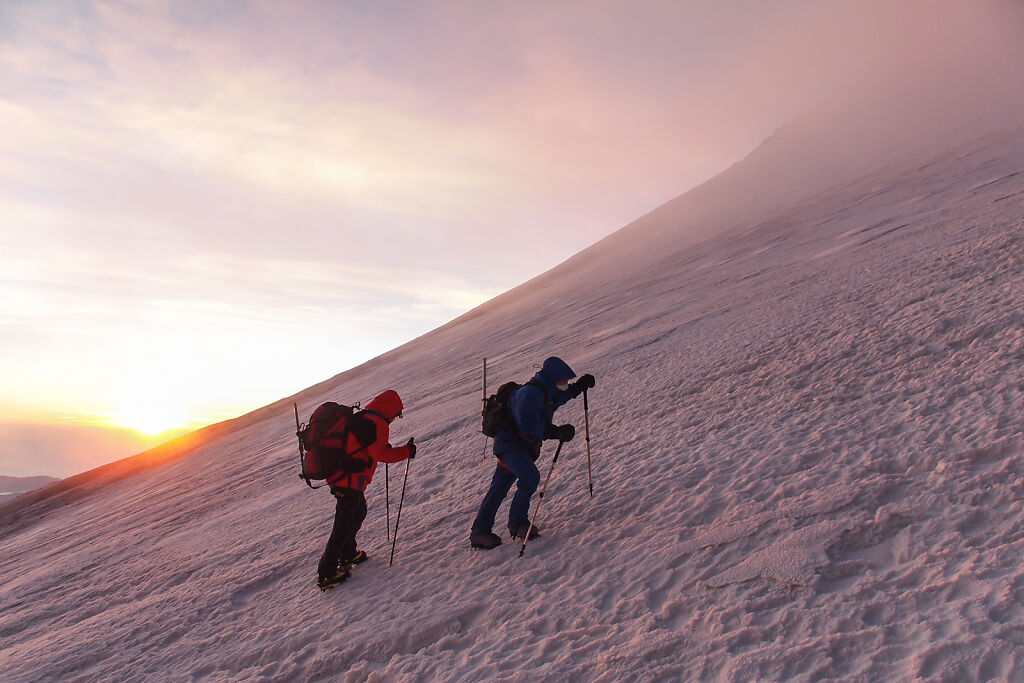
(152, 415)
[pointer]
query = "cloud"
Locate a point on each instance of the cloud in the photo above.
(402, 113)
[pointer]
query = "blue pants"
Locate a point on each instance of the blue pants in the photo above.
(518, 464)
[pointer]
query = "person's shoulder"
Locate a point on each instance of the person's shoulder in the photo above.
(529, 391)
(375, 418)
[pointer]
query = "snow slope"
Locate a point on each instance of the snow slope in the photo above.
(807, 457)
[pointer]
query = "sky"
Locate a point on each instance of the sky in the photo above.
(208, 206)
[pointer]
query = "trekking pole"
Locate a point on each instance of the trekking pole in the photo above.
(398, 520)
(387, 497)
(540, 498)
(483, 406)
(586, 423)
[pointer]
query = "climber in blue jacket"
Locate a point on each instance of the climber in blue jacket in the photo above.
(517, 448)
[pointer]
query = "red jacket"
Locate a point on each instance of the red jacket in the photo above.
(382, 410)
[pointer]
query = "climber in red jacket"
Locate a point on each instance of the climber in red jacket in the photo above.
(341, 554)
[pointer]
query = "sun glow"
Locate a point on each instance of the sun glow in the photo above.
(152, 415)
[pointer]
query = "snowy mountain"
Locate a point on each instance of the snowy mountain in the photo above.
(807, 460)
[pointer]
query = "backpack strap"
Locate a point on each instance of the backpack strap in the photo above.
(348, 430)
(535, 383)
(519, 432)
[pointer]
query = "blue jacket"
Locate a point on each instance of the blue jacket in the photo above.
(533, 406)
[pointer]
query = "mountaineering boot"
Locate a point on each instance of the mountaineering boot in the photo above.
(327, 582)
(484, 540)
(358, 558)
(518, 530)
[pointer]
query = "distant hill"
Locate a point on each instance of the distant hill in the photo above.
(15, 486)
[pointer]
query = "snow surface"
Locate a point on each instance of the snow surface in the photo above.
(807, 460)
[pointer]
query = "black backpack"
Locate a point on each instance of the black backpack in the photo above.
(496, 415)
(324, 441)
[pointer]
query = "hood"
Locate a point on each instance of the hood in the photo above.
(556, 370)
(387, 404)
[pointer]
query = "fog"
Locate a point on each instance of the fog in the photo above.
(875, 76)
(867, 84)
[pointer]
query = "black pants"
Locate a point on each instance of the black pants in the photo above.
(348, 517)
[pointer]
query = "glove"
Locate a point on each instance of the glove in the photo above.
(550, 431)
(582, 384)
(412, 448)
(566, 432)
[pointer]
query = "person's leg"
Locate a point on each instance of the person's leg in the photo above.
(349, 514)
(501, 482)
(525, 471)
(356, 504)
(332, 553)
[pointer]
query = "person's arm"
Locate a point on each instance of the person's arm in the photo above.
(380, 450)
